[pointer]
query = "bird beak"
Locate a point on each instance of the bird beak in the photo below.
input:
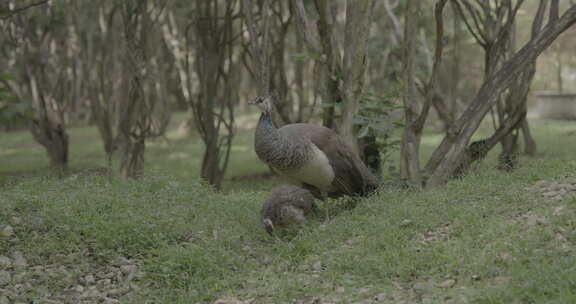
(269, 226)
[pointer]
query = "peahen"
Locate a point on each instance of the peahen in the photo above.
(311, 156)
(286, 205)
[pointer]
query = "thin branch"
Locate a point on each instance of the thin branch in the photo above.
(388, 7)
(553, 16)
(20, 9)
(481, 39)
(477, 18)
(439, 48)
(304, 26)
(504, 33)
(539, 18)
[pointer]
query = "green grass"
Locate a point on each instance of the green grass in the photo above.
(195, 245)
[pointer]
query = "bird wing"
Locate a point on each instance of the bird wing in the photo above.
(295, 196)
(351, 176)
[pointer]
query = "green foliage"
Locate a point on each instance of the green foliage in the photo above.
(195, 245)
(12, 110)
(4, 12)
(378, 116)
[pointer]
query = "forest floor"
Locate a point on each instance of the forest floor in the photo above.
(491, 237)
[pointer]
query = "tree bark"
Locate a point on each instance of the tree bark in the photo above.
(415, 116)
(448, 156)
(134, 124)
(356, 33)
(410, 146)
(530, 147)
(213, 107)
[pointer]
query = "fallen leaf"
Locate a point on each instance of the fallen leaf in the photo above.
(558, 211)
(504, 256)
(447, 284)
(229, 300)
(501, 280)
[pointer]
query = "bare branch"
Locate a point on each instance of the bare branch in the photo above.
(539, 18)
(21, 9)
(475, 30)
(397, 32)
(304, 26)
(439, 48)
(553, 16)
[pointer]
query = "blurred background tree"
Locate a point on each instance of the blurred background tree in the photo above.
(127, 67)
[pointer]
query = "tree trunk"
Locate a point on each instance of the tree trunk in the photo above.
(530, 147)
(345, 64)
(214, 108)
(410, 146)
(131, 157)
(456, 65)
(47, 128)
(54, 138)
(211, 171)
(134, 125)
(356, 33)
(448, 156)
(559, 67)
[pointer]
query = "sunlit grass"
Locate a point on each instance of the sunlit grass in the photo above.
(468, 242)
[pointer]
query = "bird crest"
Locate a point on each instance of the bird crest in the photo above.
(263, 102)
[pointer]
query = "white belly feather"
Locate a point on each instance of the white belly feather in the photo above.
(317, 172)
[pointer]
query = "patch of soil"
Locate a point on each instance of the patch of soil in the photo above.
(557, 189)
(16, 177)
(441, 233)
(58, 279)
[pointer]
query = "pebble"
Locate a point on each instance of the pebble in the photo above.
(421, 287)
(5, 262)
(4, 300)
(447, 284)
(381, 297)
(550, 193)
(8, 231)
(79, 288)
(405, 222)
(91, 293)
(501, 280)
(118, 291)
(127, 269)
(5, 277)
(89, 279)
(559, 210)
(19, 260)
(110, 301)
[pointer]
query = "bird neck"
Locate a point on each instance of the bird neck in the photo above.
(272, 146)
(276, 148)
(266, 131)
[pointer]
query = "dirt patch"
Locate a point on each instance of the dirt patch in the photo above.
(64, 282)
(440, 233)
(557, 189)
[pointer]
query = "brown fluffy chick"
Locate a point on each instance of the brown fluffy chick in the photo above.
(286, 205)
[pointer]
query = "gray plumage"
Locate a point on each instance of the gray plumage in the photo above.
(286, 205)
(312, 156)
